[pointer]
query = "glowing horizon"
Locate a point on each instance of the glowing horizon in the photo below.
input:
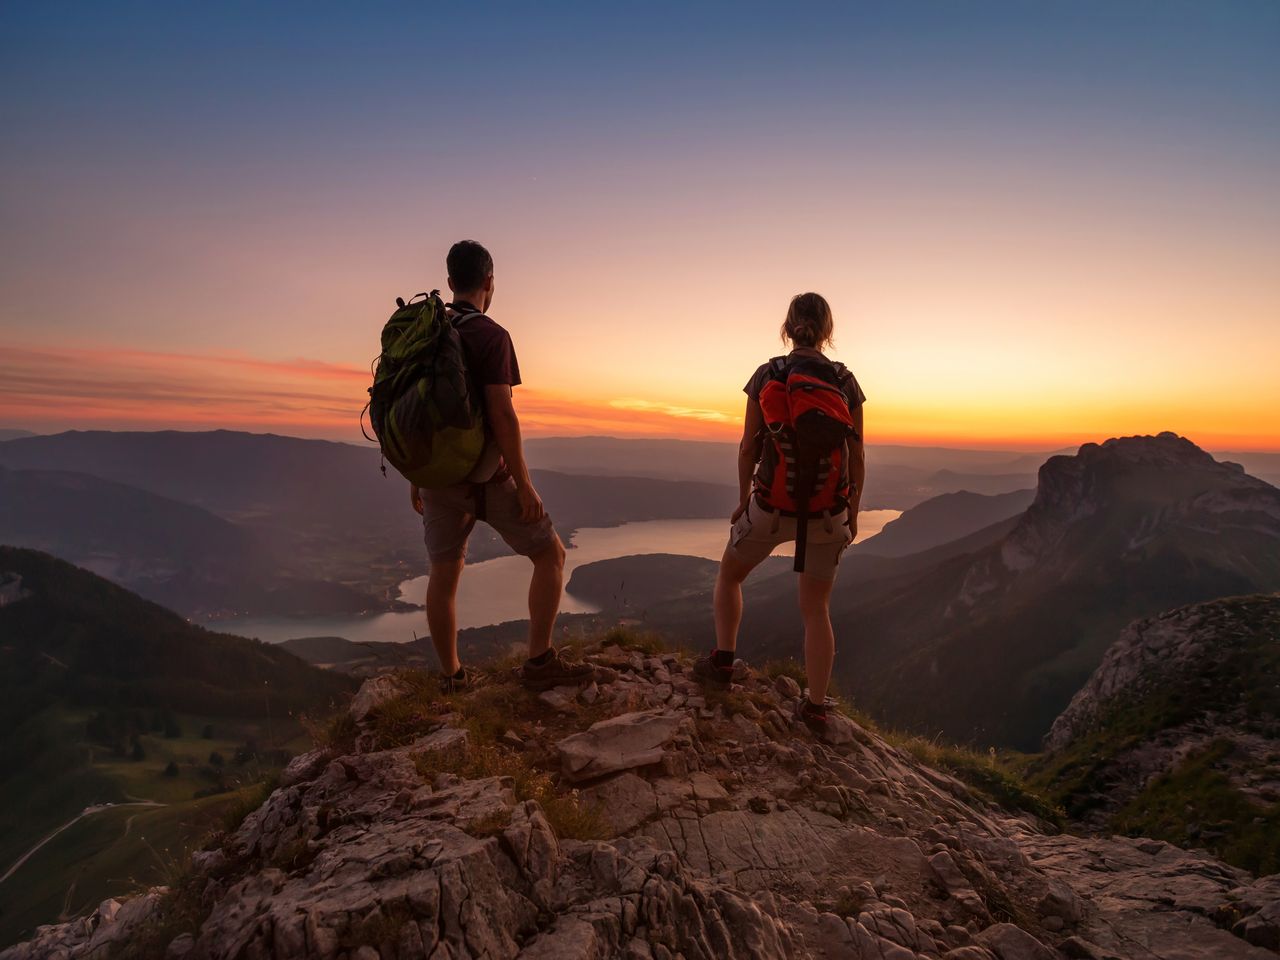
(49, 390)
(1037, 228)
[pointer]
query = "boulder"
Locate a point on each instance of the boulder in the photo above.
(373, 693)
(1009, 942)
(619, 743)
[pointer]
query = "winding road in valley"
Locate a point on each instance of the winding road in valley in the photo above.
(87, 811)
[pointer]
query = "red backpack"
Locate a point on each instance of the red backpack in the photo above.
(807, 423)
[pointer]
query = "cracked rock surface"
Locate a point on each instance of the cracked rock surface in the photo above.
(723, 830)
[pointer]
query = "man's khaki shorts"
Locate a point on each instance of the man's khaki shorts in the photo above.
(449, 514)
(758, 531)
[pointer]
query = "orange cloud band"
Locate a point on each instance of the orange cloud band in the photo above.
(49, 388)
(54, 389)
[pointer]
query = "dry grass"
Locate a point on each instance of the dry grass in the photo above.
(785, 667)
(248, 800)
(181, 911)
(987, 773)
(337, 733)
(647, 642)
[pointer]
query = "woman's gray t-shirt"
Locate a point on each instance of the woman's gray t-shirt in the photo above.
(758, 379)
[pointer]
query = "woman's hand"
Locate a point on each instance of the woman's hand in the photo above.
(742, 508)
(415, 500)
(852, 523)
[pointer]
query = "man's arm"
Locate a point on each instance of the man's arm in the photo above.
(857, 471)
(748, 454)
(504, 423)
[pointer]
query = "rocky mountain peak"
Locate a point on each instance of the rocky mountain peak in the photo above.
(1131, 485)
(646, 818)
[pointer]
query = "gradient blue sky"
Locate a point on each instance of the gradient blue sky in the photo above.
(1037, 222)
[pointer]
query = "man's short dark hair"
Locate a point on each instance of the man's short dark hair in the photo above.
(469, 265)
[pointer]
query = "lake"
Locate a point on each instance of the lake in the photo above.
(495, 591)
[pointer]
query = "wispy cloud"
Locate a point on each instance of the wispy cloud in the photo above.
(669, 410)
(48, 388)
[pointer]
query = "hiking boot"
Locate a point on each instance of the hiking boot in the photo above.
(458, 682)
(814, 717)
(555, 672)
(713, 669)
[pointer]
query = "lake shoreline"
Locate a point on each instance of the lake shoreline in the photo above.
(492, 592)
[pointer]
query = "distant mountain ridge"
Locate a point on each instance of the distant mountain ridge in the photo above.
(942, 519)
(330, 532)
(78, 636)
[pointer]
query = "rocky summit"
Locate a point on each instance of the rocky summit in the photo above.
(643, 817)
(1178, 731)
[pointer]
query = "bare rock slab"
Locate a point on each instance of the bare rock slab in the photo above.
(620, 743)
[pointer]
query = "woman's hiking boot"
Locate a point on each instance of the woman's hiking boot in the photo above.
(716, 667)
(814, 716)
(551, 670)
(457, 682)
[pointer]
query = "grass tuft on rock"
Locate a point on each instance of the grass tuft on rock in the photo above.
(1196, 805)
(643, 641)
(990, 774)
(568, 815)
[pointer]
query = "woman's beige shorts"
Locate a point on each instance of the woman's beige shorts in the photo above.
(758, 531)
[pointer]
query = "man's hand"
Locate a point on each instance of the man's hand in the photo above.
(742, 508)
(531, 508)
(415, 499)
(852, 523)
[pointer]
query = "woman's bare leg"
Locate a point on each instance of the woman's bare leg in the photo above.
(728, 599)
(819, 639)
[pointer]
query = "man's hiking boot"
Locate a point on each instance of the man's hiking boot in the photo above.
(458, 682)
(716, 667)
(814, 716)
(550, 670)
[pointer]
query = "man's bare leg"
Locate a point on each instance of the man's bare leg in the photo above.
(442, 618)
(545, 587)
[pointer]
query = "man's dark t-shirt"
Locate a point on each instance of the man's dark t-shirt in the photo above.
(491, 361)
(491, 357)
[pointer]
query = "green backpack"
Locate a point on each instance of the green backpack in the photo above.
(425, 413)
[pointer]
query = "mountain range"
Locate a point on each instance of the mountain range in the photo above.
(290, 526)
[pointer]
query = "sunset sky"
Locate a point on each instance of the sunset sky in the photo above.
(1038, 223)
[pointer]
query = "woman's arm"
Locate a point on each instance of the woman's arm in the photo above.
(748, 454)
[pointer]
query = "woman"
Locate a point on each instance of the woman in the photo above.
(774, 474)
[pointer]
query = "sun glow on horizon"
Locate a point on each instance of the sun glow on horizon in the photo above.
(50, 389)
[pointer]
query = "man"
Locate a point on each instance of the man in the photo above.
(499, 492)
